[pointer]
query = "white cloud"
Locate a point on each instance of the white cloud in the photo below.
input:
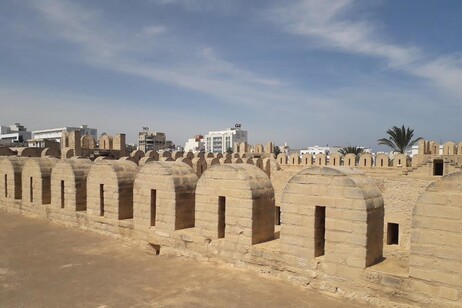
(331, 23)
(196, 68)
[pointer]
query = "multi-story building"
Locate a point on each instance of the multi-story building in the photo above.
(327, 150)
(55, 134)
(14, 135)
(154, 141)
(221, 141)
(195, 144)
(320, 150)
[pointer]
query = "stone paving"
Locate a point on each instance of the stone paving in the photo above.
(43, 264)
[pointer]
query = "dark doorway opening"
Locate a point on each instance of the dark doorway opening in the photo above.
(438, 167)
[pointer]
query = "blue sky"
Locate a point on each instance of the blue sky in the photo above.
(302, 72)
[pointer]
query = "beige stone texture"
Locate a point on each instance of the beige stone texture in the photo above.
(110, 189)
(382, 161)
(320, 159)
(36, 181)
(269, 148)
(282, 159)
(307, 160)
(177, 154)
(235, 202)
(87, 142)
(119, 144)
(189, 155)
(165, 154)
(199, 165)
(349, 160)
(434, 148)
(365, 160)
(4, 151)
(294, 159)
(212, 161)
(152, 154)
(449, 148)
(11, 177)
(335, 159)
(185, 160)
(400, 160)
(137, 155)
(422, 265)
(144, 160)
(436, 254)
(237, 160)
(67, 153)
(259, 148)
(105, 142)
(29, 152)
(199, 155)
(69, 184)
(131, 159)
(348, 228)
(257, 161)
(49, 152)
(164, 197)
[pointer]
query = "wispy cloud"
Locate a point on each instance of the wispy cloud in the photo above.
(331, 23)
(199, 68)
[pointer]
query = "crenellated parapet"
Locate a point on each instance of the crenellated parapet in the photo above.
(333, 232)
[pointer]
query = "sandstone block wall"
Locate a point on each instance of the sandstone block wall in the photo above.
(436, 254)
(69, 184)
(164, 197)
(36, 181)
(235, 202)
(336, 213)
(110, 189)
(234, 210)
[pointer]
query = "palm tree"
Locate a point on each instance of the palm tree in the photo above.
(351, 149)
(400, 139)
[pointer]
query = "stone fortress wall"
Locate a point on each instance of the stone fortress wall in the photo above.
(389, 233)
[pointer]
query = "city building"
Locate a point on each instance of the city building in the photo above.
(327, 150)
(195, 144)
(320, 150)
(55, 134)
(14, 135)
(153, 141)
(221, 141)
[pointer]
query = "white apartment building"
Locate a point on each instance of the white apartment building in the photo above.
(14, 135)
(313, 150)
(195, 144)
(320, 150)
(221, 141)
(55, 134)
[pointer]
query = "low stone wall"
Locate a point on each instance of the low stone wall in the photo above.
(332, 221)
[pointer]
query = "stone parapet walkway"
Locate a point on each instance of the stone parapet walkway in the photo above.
(43, 264)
